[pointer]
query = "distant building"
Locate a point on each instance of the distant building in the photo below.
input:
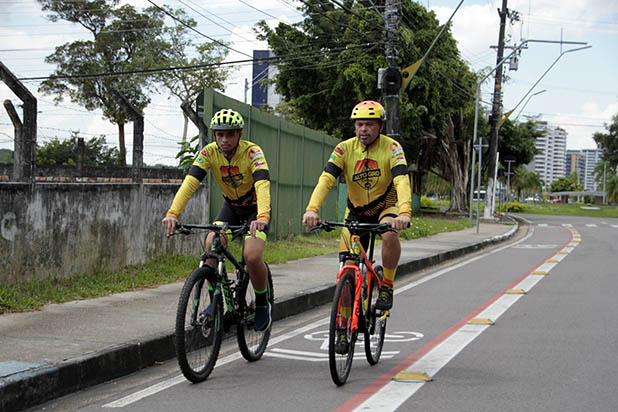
(587, 160)
(576, 162)
(262, 69)
(593, 157)
(550, 162)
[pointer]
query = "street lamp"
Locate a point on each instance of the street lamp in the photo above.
(489, 205)
(474, 137)
(525, 104)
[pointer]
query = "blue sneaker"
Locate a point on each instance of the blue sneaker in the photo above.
(263, 317)
(207, 312)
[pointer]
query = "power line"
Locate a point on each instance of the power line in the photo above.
(195, 30)
(190, 67)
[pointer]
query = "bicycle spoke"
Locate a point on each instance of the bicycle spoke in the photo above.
(341, 338)
(198, 327)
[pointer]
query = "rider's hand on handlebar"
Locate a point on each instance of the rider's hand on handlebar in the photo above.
(170, 223)
(257, 225)
(310, 219)
(401, 222)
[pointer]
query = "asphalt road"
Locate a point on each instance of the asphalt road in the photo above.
(552, 348)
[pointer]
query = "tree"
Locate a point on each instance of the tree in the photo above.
(517, 140)
(566, 184)
(123, 40)
(64, 152)
(525, 182)
(608, 142)
(322, 83)
(612, 189)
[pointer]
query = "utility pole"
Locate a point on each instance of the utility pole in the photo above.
(390, 78)
(495, 112)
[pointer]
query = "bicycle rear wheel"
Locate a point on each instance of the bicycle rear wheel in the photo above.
(198, 326)
(252, 343)
(341, 339)
(375, 322)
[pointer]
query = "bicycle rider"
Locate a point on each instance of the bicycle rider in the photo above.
(240, 169)
(376, 174)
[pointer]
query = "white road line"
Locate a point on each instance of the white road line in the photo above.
(168, 383)
(591, 225)
(153, 389)
(395, 393)
(316, 356)
(616, 226)
(542, 225)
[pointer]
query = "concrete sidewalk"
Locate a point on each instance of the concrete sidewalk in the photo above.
(66, 347)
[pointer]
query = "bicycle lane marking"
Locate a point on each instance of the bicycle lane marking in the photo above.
(168, 383)
(386, 394)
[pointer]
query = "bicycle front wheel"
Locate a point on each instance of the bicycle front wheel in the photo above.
(198, 326)
(375, 322)
(341, 339)
(252, 343)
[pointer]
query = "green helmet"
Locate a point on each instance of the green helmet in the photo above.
(227, 119)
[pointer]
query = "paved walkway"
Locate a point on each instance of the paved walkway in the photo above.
(66, 347)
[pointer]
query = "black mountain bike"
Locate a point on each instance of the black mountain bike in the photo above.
(210, 303)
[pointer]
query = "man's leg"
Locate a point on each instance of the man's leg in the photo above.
(254, 257)
(391, 252)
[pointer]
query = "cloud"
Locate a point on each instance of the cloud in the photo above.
(579, 126)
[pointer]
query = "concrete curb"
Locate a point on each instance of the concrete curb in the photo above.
(35, 386)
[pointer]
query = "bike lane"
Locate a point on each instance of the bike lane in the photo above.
(294, 371)
(534, 257)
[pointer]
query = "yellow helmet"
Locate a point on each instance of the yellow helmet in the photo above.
(368, 109)
(226, 119)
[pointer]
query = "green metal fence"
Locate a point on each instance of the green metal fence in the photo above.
(296, 156)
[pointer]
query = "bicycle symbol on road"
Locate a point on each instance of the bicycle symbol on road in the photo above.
(322, 336)
(393, 337)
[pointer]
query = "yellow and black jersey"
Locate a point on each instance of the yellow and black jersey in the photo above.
(244, 179)
(377, 177)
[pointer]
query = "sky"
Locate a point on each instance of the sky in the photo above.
(579, 93)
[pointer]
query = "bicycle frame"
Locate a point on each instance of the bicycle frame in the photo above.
(358, 254)
(220, 252)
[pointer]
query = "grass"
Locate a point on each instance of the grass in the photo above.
(34, 294)
(560, 209)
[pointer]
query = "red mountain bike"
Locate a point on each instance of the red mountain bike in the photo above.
(353, 309)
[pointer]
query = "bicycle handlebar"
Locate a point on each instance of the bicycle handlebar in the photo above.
(237, 230)
(355, 227)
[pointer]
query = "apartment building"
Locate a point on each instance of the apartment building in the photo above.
(550, 162)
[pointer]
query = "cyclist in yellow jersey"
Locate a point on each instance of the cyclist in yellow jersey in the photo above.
(376, 174)
(241, 171)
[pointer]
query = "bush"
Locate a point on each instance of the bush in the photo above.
(426, 202)
(514, 207)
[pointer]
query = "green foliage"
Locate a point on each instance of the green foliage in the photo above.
(517, 139)
(609, 143)
(434, 184)
(514, 207)
(6, 156)
(188, 152)
(526, 182)
(565, 184)
(561, 209)
(420, 227)
(426, 202)
(612, 189)
(64, 152)
(322, 85)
